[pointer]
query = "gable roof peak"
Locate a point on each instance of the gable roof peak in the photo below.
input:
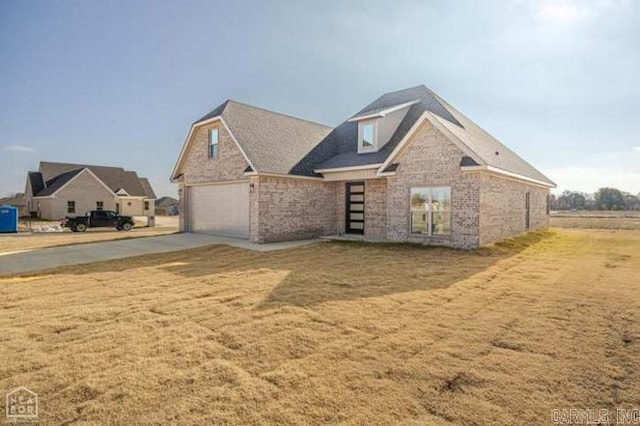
(229, 103)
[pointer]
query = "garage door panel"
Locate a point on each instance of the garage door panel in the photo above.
(220, 209)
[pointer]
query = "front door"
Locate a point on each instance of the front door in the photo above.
(354, 221)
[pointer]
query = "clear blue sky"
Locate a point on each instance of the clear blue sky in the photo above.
(119, 82)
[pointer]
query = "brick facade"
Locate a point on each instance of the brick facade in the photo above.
(429, 160)
(291, 209)
(375, 209)
(198, 167)
(484, 208)
(502, 208)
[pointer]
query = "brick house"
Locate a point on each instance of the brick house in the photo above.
(407, 167)
(57, 190)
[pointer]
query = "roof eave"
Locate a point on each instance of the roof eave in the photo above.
(508, 174)
(382, 113)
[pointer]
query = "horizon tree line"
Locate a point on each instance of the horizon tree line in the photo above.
(603, 199)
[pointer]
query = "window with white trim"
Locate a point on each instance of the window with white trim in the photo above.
(213, 143)
(431, 210)
(368, 135)
(71, 206)
(99, 205)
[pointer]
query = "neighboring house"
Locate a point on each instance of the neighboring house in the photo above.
(167, 206)
(407, 167)
(16, 200)
(60, 189)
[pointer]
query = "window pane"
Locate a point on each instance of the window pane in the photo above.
(356, 225)
(419, 198)
(356, 188)
(356, 197)
(213, 143)
(419, 223)
(440, 223)
(213, 136)
(356, 207)
(441, 200)
(356, 216)
(367, 135)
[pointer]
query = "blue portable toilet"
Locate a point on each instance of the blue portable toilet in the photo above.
(8, 219)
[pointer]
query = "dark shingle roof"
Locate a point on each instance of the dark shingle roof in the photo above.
(148, 190)
(273, 142)
(490, 150)
(116, 178)
(37, 182)
(279, 143)
(399, 97)
(341, 146)
(57, 182)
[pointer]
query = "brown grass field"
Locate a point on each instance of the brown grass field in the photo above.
(332, 333)
(23, 241)
(596, 219)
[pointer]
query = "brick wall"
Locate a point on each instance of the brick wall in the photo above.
(502, 208)
(198, 167)
(430, 159)
(484, 208)
(292, 209)
(375, 209)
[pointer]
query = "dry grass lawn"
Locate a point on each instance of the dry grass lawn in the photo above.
(332, 332)
(595, 219)
(18, 242)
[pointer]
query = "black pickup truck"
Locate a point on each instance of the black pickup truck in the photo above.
(98, 219)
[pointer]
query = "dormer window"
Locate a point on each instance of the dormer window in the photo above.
(368, 136)
(213, 143)
(377, 126)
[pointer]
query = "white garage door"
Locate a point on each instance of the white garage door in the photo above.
(219, 209)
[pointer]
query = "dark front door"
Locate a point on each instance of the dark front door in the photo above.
(354, 208)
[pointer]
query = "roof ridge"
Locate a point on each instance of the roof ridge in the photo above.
(278, 113)
(405, 89)
(82, 165)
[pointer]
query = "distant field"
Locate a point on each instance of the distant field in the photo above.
(315, 335)
(596, 219)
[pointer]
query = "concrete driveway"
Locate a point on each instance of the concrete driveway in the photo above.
(36, 260)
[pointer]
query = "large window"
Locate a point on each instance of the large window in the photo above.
(213, 143)
(71, 206)
(368, 135)
(431, 211)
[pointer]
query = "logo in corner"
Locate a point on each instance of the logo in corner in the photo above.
(22, 404)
